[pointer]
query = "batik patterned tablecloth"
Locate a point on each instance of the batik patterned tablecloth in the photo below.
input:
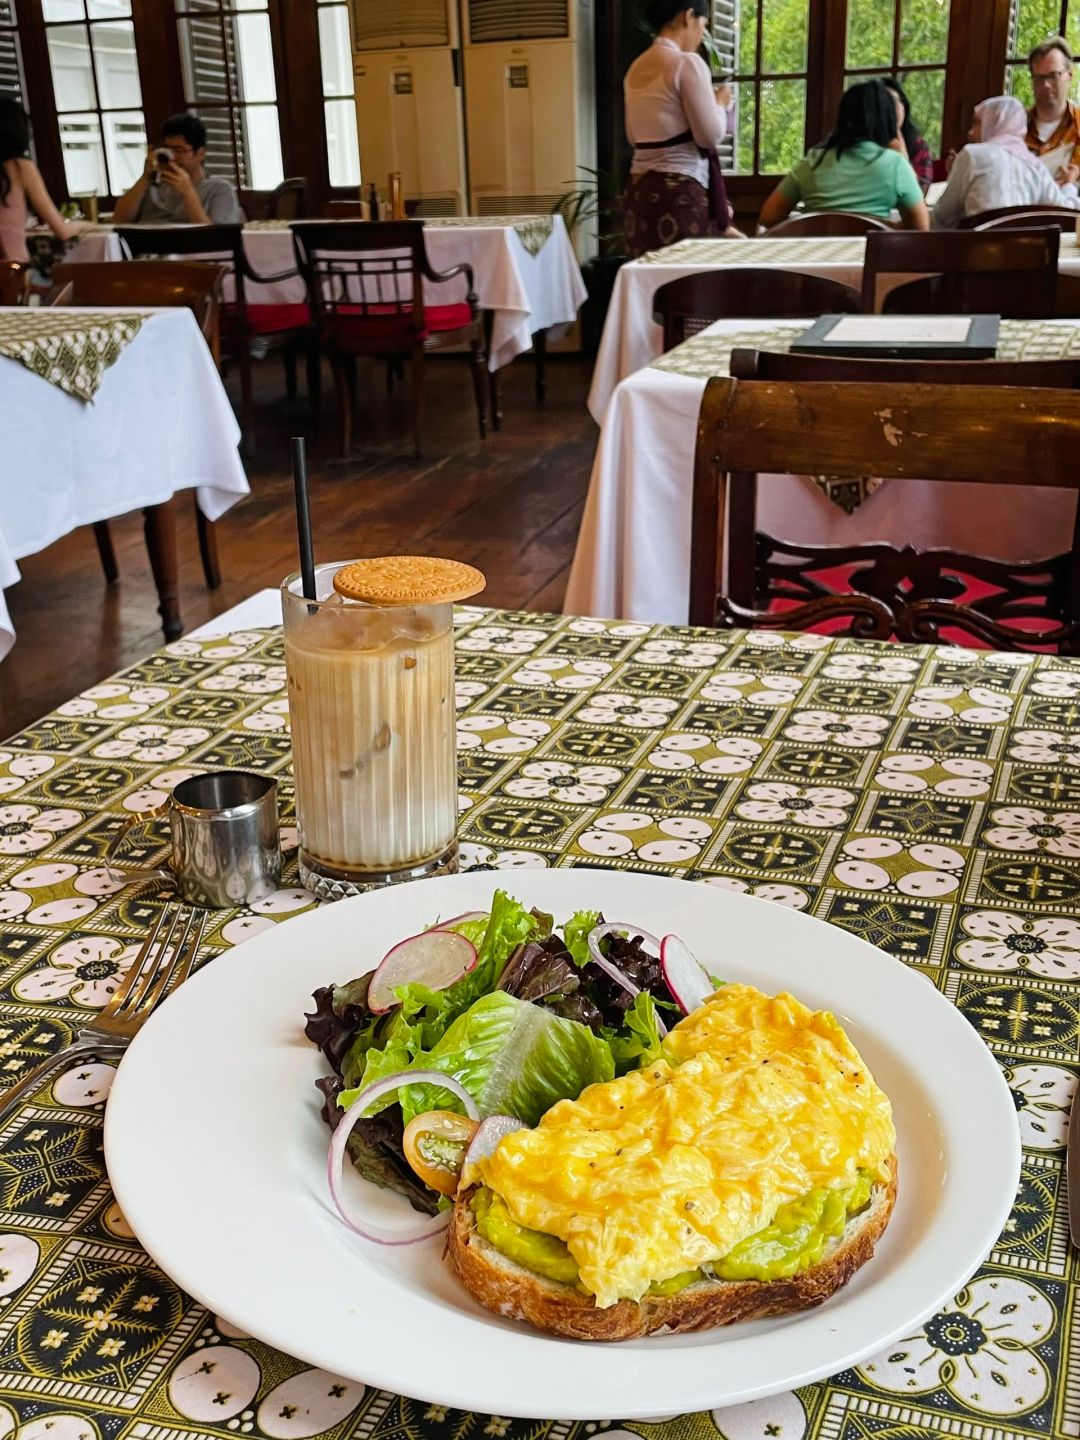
(828, 249)
(71, 349)
(533, 231)
(704, 356)
(926, 800)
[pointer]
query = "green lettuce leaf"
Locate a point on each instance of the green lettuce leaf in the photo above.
(388, 1043)
(576, 934)
(513, 1057)
(637, 1041)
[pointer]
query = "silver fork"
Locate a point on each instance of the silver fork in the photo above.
(162, 962)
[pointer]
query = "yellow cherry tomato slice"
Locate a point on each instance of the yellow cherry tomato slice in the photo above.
(435, 1144)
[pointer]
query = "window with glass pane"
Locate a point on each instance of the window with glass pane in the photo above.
(95, 74)
(11, 81)
(339, 104)
(228, 63)
(908, 39)
(1030, 22)
(768, 40)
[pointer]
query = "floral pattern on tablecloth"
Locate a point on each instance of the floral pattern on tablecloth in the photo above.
(71, 349)
(925, 799)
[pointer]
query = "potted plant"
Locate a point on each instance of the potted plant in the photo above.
(597, 200)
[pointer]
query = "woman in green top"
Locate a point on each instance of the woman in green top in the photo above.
(862, 166)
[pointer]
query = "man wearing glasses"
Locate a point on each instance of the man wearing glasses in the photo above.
(1054, 121)
(174, 189)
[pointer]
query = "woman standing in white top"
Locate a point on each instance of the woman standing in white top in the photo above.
(675, 122)
(997, 169)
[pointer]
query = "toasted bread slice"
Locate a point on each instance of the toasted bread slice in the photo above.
(510, 1289)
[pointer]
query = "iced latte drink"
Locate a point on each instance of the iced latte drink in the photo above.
(371, 705)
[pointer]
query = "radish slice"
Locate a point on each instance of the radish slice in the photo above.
(469, 915)
(597, 933)
(684, 974)
(484, 1143)
(435, 958)
(432, 1224)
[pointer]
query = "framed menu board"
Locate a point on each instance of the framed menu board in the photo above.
(902, 337)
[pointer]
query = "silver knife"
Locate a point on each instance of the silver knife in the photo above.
(1072, 1169)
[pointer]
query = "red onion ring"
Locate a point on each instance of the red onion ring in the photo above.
(619, 927)
(432, 1224)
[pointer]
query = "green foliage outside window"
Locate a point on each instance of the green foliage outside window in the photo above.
(1018, 83)
(1034, 21)
(926, 91)
(923, 40)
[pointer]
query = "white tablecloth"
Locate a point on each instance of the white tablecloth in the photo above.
(631, 339)
(160, 422)
(632, 560)
(525, 292)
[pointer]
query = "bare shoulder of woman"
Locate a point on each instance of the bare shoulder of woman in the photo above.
(20, 171)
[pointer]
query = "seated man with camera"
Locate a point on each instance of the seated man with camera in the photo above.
(174, 188)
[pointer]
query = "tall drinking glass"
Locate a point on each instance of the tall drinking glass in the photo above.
(371, 705)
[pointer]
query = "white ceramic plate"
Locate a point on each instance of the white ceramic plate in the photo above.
(218, 1159)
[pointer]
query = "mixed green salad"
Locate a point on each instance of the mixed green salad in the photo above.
(540, 1012)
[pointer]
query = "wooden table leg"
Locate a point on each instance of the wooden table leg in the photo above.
(540, 360)
(208, 548)
(159, 523)
(493, 375)
(103, 536)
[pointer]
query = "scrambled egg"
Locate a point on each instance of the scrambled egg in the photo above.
(758, 1101)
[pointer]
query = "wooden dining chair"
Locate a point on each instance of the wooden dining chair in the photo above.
(685, 306)
(14, 282)
(154, 282)
(1061, 374)
(1021, 217)
(900, 432)
(288, 201)
(827, 222)
(366, 279)
(289, 328)
(1011, 273)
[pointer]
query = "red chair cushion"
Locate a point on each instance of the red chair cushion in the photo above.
(448, 317)
(379, 321)
(269, 319)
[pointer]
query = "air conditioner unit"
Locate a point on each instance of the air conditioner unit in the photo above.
(530, 103)
(406, 63)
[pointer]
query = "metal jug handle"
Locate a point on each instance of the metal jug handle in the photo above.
(123, 874)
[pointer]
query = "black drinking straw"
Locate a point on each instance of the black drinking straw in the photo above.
(303, 517)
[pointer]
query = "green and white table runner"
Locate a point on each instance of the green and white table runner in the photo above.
(69, 348)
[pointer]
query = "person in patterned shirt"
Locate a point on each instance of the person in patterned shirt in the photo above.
(1054, 121)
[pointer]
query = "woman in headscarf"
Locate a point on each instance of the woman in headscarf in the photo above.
(996, 169)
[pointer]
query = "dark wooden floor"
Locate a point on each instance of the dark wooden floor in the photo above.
(510, 504)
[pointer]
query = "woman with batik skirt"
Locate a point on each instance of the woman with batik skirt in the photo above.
(674, 122)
